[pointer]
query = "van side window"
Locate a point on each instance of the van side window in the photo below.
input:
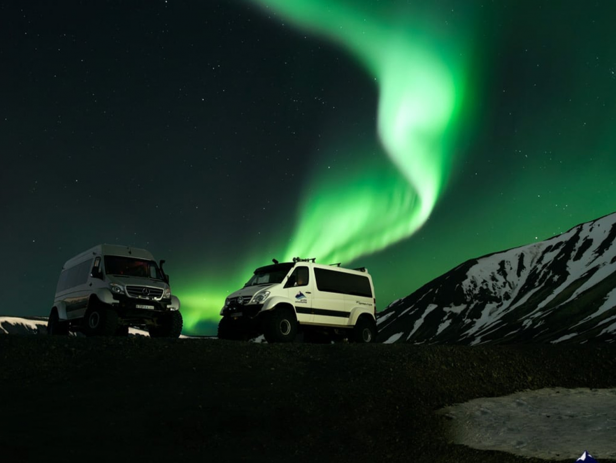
(343, 283)
(299, 277)
(74, 276)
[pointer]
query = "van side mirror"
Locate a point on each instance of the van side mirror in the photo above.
(96, 273)
(165, 276)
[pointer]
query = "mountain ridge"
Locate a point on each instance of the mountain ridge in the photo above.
(557, 290)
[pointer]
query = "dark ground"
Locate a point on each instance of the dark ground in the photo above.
(141, 399)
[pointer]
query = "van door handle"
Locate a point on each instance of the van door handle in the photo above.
(308, 292)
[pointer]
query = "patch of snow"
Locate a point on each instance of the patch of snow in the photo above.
(483, 324)
(420, 321)
(443, 326)
(609, 329)
(393, 338)
(405, 311)
(457, 309)
(564, 338)
(381, 319)
(555, 423)
(608, 304)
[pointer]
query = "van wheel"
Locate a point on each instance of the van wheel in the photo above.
(364, 330)
(100, 321)
(168, 325)
(280, 326)
(55, 327)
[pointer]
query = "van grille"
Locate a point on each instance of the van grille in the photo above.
(239, 301)
(144, 292)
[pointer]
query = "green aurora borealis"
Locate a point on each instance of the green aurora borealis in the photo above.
(421, 74)
(405, 136)
(420, 90)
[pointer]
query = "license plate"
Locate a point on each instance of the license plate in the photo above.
(141, 306)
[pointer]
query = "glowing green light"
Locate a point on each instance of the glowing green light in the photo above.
(418, 96)
(199, 305)
(372, 204)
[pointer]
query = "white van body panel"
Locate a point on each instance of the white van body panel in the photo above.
(273, 301)
(61, 308)
(355, 313)
(104, 295)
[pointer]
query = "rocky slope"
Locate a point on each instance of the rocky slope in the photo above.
(558, 290)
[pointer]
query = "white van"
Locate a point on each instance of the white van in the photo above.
(321, 301)
(108, 288)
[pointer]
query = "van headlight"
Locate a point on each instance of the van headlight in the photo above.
(260, 297)
(167, 293)
(118, 289)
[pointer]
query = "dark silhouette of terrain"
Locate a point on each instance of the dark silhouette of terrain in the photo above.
(73, 399)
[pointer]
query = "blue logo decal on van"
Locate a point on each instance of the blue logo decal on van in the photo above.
(300, 296)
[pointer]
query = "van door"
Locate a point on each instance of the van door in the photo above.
(76, 298)
(299, 286)
(328, 301)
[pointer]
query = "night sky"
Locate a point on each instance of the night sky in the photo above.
(404, 136)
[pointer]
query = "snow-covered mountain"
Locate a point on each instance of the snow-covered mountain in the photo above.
(559, 290)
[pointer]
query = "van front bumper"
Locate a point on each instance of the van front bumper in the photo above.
(131, 307)
(245, 312)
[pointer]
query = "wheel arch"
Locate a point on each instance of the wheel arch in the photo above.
(102, 295)
(359, 312)
(60, 308)
(278, 302)
(281, 305)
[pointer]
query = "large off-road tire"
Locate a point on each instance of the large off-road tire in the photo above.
(364, 330)
(100, 320)
(56, 327)
(228, 329)
(168, 325)
(280, 326)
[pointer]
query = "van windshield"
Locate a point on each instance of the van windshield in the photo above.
(127, 266)
(270, 275)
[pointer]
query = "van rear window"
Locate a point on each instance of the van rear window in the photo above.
(344, 283)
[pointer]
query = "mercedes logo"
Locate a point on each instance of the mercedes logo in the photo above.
(145, 292)
(240, 300)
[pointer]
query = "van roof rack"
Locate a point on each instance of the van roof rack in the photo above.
(335, 265)
(361, 269)
(299, 259)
